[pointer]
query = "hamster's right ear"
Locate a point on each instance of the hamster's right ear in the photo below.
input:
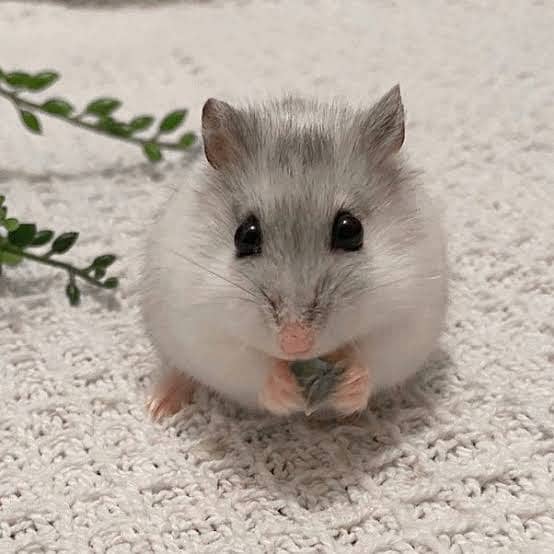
(220, 133)
(383, 126)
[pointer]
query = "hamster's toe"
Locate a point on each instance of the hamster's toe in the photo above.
(281, 394)
(170, 395)
(352, 393)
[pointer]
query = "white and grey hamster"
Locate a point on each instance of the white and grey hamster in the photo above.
(301, 233)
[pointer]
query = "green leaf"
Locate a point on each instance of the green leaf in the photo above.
(73, 293)
(188, 139)
(172, 120)
(99, 273)
(111, 283)
(2, 199)
(42, 80)
(3, 213)
(103, 106)
(64, 242)
(152, 151)
(57, 106)
(141, 123)
(104, 261)
(23, 235)
(30, 121)
(42, 237)
(11, 224)
(114, 127)
(18, 79)
(9, 258)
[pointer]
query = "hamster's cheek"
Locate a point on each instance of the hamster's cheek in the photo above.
(250, 327)
(343, 326)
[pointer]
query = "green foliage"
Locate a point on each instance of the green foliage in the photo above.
(9, 258)
(141, 123)
(42, 80)
(17, 79)
(20, 238)
(113, 127)
(64, 242)
(23, 235)
(103, 106)
(103, 261)
(30, 121)
(111, 283)
(11, 224)
(37, 82)
(152, 152)
(57, 106)
(98, 115)
(172, 120)
(73, 293)
(42, 237)
(188, 139)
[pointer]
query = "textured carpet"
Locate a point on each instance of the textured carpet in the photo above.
(461, 461)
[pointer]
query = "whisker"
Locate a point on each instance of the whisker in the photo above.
(224, 300)
(373, 288)
(197, 311)
(343, 279)
(270, 300)
(211, 272)
(352, 297)
(254, 284)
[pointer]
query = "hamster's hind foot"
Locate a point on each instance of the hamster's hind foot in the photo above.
(353, 391)
(170, 395)
(281, 394)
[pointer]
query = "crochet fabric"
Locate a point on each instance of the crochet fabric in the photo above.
(460, 461)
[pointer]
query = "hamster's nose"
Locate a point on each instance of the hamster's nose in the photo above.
(296, 338)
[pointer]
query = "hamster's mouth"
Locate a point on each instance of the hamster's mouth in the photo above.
(340, 355)
(298, 357)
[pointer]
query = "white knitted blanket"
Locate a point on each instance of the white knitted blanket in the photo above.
(461, 461)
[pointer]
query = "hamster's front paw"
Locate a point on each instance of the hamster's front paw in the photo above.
(170, 395)
(352, 393)
(281, 394)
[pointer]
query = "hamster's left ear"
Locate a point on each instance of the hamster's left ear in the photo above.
(383, 127)
(222, 134)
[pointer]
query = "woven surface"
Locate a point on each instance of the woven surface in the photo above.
(461, 461)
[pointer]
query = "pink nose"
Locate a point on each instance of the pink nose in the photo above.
(296, 338)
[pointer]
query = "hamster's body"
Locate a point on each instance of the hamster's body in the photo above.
(291, 168)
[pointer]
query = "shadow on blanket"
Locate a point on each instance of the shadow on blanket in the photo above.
(319, 464)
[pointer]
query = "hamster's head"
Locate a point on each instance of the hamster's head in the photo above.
(305, 221)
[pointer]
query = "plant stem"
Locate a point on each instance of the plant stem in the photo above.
(77, 122)
(72, 270)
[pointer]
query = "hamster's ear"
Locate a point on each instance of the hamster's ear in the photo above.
(383, 127)
(220, 133)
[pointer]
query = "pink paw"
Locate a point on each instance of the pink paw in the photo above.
(281, 394)
(353, 392)
(170, 395)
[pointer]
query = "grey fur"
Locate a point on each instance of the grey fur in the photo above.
(295, 163)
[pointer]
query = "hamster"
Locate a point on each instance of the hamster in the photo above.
(301, 232)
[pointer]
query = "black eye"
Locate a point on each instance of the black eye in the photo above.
(348, 232)
(248, 237)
